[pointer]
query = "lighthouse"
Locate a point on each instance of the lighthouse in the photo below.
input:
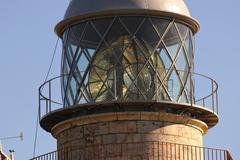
(128, 85)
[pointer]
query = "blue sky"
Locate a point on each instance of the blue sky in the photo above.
(27, 42)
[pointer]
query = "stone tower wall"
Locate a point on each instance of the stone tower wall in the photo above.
(128, 138)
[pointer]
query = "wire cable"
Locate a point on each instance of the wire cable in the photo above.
(49, 69)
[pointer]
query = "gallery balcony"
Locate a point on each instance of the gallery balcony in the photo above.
(181, 99)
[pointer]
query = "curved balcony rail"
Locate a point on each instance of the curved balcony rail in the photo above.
(202, 90)
(140, 150)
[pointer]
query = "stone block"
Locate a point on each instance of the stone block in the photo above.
(185, 131)
(103, 128)
(74, 143)
(149, 127)
(181, 140)
(82, 142)
(194, 142)
(150, 137)
(137, 138)
(129, 116)
(122, 127)
(132, 126)
(105, 117)
(117, 127)
(196, 134)
(97, 140)
(109, 139)
(129, 138)
(91, 130)
(170, 129)
(166, 138)
(150, 116)
(121, 138)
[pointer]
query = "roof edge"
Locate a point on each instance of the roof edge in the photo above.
(66, 23)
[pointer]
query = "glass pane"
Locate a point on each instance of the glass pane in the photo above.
(66, 70)
(188, 88)
(143, 79)
(82, 63)
(116, 33)
(91, 38)
(182, 65)
(165, 58)
(101, 84)
(89, 53)
(188, 45)
(71, 50)
(82, 100)
(161, 94)
(147, 34)
(129, 56)
(103, 94)
(69, 96)
(191, 49)
(174, 85)
(74, 87)
(132, 23)
(183, 98)
(172, 41)
(102, 25)
(76, 33)
(160, 25)
(158, 63)
(182, 29)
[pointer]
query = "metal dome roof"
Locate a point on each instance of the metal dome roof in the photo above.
(82, 9)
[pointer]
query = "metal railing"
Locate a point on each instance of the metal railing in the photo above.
(209, 101)
(50, 98)
(138, 151)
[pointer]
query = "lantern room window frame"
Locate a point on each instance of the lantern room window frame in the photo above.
(169, 39)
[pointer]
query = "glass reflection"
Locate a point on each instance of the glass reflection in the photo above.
(125, 69)
(127, 59)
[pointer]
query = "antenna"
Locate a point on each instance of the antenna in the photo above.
(14, 137)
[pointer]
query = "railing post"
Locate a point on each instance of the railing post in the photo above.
(191, 88)
(166, 150)
(39, 104)
(179, 151)
(115, 83)
(46, 106)
(50, 95)
(162, 150)
(200, 153)
(171, 151)
(204, 153)
(183, 151)
(212, 154)
(175, 146)
(220, 155)
(208, 154)
(196, 156)
(217, 100)
(213, 99)
(191, 152)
